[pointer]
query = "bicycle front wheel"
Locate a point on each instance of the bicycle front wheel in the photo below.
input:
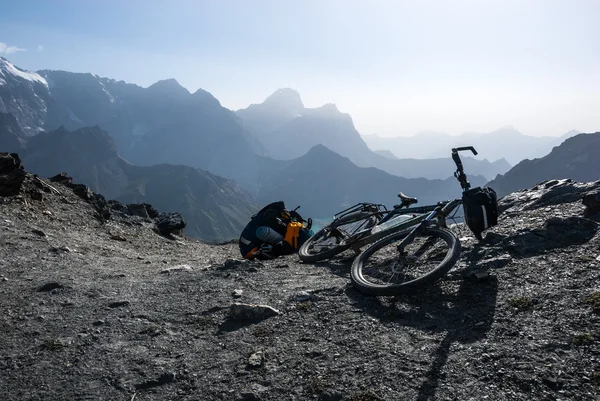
(336, 237)
(383, 269)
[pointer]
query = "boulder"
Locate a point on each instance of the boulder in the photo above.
(592, 202)
(12, 174)
(169, 223)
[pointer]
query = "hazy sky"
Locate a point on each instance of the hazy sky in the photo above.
(398, 67)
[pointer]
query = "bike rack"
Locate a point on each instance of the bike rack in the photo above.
(363, 207)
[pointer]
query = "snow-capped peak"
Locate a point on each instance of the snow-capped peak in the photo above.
(7, 69)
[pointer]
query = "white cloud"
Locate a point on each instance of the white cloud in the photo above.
(40, 48)
(6, 49)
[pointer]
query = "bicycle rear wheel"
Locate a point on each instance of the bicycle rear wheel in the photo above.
(336, 237)
(382, 269)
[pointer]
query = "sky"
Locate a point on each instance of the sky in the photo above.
(397, 67)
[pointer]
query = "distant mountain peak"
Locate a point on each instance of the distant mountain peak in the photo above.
(285, 98)
(507, 129)
(322, 151)
(331, 107)
(206, 96)
(170, 85)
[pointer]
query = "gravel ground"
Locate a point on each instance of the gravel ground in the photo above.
(114, 311)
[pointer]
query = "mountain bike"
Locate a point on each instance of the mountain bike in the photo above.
(430, 248)
(365, 223)
(368, 223)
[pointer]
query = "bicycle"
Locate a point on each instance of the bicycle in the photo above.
(427, 221)
(360, 225)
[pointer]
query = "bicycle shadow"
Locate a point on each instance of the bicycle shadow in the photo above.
(465, 314)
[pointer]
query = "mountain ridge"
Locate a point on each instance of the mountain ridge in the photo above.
(289, 132)
(504, 142)
(575, 158)
(215, 208)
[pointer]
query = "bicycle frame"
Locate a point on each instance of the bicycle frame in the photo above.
(422, 215)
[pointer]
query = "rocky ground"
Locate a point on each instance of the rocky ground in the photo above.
(107, 308)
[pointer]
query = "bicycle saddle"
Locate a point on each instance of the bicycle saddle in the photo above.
(407, 199)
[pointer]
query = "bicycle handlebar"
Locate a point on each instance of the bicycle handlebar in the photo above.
(460, 174)
(471, 148)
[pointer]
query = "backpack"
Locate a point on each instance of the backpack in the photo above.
(481, 209)
(287, 223)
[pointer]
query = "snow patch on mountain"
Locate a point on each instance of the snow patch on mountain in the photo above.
(110, 97)
(7, 67)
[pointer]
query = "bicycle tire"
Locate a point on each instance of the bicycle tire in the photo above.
(303, 252)
(435, 274)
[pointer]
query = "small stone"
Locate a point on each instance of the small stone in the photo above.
(49, 286)
(481, 275)
(118, 304)
(256, 360)
(4, 279)
(239, 311)
(163, 379)
(60, 249)
(249, 396)
(252, 269)
(117, 237)
(177, 268)
(302, 296)
(98, 323)
(331, 395)
(39, 232)
(47, 212)
(237, 293)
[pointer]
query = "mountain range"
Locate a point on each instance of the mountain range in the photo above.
(163, 123)
(324, 183)
(183, 151)
(504, 143)
(576, 158)
(288, 129)
(214, 208)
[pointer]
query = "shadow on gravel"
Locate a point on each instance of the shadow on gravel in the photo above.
(557, 233)
(465, 315)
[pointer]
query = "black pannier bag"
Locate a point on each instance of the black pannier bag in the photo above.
(481, 209)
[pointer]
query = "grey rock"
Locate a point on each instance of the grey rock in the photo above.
(256, 360)
(49, 286)
(331, 395)
(230, 264)
(169, 223)
(163, 379)
(118, 304)
(178, 268)
(592, 202)
(302, 296)
(12, 174)
(240, 311)
(237, 293)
